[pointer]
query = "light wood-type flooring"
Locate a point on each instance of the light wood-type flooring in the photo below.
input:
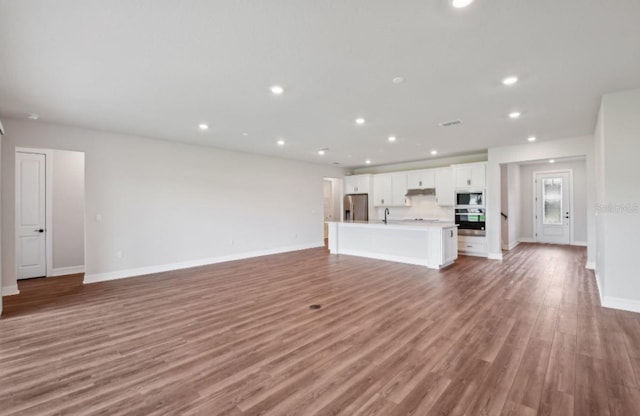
(524, 336)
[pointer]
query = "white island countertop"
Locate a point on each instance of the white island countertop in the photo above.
(427, 243)
(398, 224)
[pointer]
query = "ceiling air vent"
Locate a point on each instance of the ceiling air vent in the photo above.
(451, 123)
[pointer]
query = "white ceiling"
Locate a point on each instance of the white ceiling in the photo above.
(158, 68)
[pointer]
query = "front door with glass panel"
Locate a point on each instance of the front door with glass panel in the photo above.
(553, 207)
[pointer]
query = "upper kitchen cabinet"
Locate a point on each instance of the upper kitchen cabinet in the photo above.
(389, 190)
(444, 187)
(382, 190)
(421, 179)
(399, 189)
(470, 176)
(357, 184)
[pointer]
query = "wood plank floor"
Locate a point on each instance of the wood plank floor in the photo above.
(524, 336)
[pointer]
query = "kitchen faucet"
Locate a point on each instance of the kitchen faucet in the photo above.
(386, 211)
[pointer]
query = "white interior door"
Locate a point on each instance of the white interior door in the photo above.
(30, 215)
(553, 207)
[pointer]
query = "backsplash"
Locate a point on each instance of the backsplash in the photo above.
(422, 206)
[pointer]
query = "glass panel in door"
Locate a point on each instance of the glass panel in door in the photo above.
(552, 201)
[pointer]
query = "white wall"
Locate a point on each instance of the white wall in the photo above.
(68, 210)
(579, 168)
(574, 147)
(600, 260)
(618, 147)
(1, 274)
(164, 204)
(504, 205)
(514, 201)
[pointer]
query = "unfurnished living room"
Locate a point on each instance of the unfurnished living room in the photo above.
(426, 207)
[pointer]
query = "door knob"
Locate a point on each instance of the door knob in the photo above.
(41, 230)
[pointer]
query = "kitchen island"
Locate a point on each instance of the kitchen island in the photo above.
(430, 243)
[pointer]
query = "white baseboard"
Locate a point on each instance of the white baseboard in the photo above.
(472, 253)
(61, 271)
(494, 256)
(10, 290)
(526, 240)
(631, 305)
(511, 246)
(591, 265)
(600, 291)
(121, 274)
(579, 243)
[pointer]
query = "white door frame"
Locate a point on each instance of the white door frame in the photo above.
(535, 203)
(48, 153)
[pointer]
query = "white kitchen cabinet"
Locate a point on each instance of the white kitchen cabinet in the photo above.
(399, 189)
(470, 176)
(382, 190)
(389, 190)
(444, 187)
(421, 179)
(430, 245)
(449, 245)
(357, 184)
(443, 246)
(472, 245)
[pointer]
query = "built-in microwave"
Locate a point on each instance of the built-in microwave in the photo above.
(470, 198)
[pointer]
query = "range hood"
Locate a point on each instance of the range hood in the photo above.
(416, 192)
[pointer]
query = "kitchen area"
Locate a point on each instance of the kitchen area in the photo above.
(424, 217)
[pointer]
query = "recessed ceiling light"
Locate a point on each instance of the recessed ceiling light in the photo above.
(434, 152)
(514, 114)
(532, 138)
(245, 134)
(398, 80)
(392, 138)
(33, 116)
(360, 121)
(552, 161)
(368, 162)
(277, 89)
(510, 80)
(280, 142)
(203, 126)
(322, 152)
(459, 4)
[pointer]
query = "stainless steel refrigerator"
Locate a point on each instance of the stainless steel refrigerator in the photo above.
(356, 207)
